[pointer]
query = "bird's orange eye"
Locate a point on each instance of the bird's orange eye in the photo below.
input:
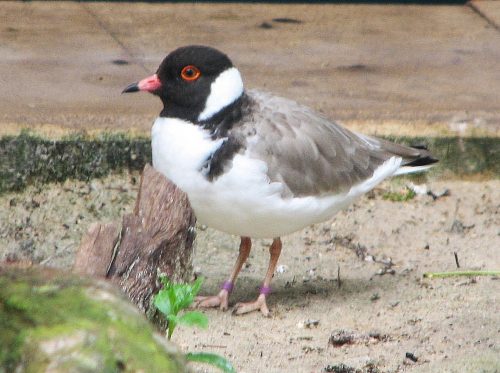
(190, 73)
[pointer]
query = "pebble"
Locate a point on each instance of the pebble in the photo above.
(281, 269)
(309, 323)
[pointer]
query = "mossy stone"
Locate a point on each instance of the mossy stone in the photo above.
(59, 322)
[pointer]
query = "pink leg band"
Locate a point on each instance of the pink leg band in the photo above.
(265, 290)
(227, 285)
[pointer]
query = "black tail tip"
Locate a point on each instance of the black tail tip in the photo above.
(422, 161)
(419, 146)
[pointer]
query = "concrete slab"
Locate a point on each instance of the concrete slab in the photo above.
(397, 69)
(57, 70)
(489, 9)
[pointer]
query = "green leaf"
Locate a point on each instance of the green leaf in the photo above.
(212, 359)
(196, 286)
(183, 296)
(194, 318)
(162, 302)
(174, 300)
(172, 323)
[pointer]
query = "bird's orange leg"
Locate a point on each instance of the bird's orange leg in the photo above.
(221, 300)
(260, 303)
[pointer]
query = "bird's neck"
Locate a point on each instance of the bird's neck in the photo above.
(221, 122)
(173, 110)
(217, 124)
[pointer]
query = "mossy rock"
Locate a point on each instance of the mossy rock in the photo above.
(57, 322)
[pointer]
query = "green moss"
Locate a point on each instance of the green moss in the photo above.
(461, 156)
(28, 159)
(100, 329)
(402, 196)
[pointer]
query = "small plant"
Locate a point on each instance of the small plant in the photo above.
(401, 196)
(172, 299)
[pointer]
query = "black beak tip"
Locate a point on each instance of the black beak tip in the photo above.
(134, 87)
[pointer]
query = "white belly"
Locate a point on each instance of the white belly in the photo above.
(241, 201)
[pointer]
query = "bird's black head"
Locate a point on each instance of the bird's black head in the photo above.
(194, 83)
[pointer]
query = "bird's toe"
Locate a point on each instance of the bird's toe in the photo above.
(258, 305)
(220, 300)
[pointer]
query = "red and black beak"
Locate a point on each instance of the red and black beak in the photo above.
(150, 84)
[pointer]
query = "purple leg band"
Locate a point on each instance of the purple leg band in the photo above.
(227, 285)
(265, 290)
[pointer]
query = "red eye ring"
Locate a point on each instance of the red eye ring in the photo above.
(190, 73)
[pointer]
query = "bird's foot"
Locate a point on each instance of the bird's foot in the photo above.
(220, 300)
(258, 305)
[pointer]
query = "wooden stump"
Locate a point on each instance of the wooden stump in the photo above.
(156, 238)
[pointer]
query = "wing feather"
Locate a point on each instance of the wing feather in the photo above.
(310, 154)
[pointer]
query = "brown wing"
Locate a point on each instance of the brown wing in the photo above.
(310, 154)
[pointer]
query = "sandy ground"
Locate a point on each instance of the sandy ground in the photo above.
(449, 325)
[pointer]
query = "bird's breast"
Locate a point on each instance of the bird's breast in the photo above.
(180, 150)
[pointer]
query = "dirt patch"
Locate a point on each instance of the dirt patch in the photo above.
(390, 318)
(45, 223)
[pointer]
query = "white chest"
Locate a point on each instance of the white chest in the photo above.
(180, 150)
(235, 200)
